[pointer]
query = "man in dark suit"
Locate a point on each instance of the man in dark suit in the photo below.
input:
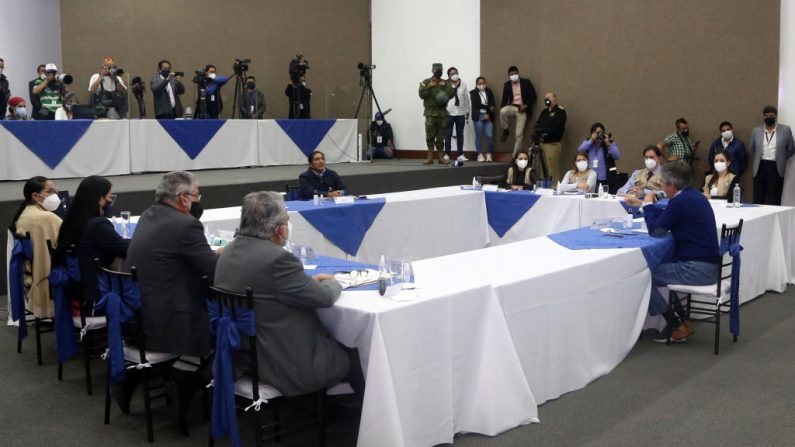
(35, 102)
(166, 87)
(518, 97)
(171, 254)
(771, 146)
(295, 353)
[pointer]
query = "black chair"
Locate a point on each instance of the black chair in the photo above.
(499, 179)
(251, 394)
(153, 366)
(717, 299)
(293, 192)
(41, 325)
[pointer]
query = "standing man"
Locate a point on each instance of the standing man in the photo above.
(107, 88)
(50, 92)
(602, 152)
(5, 92)
(518, 97)
(771, 147)
(458, 109)
(678, 145)
(166, 87)
(171, 254)
(550, 126)
(435, 92)
(34, 99)
(212, 86)
(735, 148)
(251, 102)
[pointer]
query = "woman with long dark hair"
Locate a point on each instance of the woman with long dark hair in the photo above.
(86, 228)
(520, 174)
(719, 184)
(35, 217)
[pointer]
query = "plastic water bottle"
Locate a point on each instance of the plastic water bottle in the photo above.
(600, 191)
(737, 195)
(383, 275)
(315, 199)
(302, 256)
(628, 221)
(475, 182)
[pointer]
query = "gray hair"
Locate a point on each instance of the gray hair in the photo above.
(173, 184)
(262, 213)
(677, 174)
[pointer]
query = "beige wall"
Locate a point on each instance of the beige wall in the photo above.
(333, 34)
(637, 66)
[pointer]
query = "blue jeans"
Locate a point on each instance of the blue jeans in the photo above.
(694, 273)
(458, 121)
(487, 127)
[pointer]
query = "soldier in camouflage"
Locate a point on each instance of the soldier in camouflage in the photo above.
(435, 92)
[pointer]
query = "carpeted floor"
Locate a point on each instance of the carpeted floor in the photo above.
(658, 396)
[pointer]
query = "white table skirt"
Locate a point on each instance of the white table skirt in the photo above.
(103, 150)
(153, 149)
(275, 147)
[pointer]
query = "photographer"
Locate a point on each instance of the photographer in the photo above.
(107, 88)
(50, 91)
(297, 91)
(251, 102)
(212, 87)
(166, 87)
(602, 152)
(382, 144)
(5, 92)
(550, 127)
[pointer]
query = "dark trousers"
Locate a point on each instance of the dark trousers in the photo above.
(458, 122)
(768, 184)
(166, 116)
(355, 376)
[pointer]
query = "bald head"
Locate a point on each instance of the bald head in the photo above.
(550, 100)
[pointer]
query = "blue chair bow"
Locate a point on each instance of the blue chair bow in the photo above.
(22, 250)
(227, 339)
(732, 246)
(117, 310)
(61, 277)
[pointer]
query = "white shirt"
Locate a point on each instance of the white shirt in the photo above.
(170, 93)
(463, 106)
(726, 143)
(60, 114)
(107, 83)
(769, 145)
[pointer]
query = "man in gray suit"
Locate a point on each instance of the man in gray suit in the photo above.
(171, 254)
(166, 87)
(771, 146)
(295, 353)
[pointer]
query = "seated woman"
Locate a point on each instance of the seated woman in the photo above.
(318, 179)
(35, 216)
(87, 228)
(520, 176)
(720, 183)
(582, 178)
(65, 112)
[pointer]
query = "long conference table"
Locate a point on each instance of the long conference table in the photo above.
(503, 318)
(78, 148)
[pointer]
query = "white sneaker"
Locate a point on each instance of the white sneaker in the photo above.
(480, 158)
(462, 158)
(446, 157)
(488, 157)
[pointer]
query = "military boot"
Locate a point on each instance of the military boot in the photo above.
(429, 160)
(443, 158)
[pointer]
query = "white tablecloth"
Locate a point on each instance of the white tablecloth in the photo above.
(153, 149)
(103, 150)
(275, 147)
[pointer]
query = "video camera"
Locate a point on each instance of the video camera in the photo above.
(138, 87)
(179, 73)
(538, 135)
(298, 68)
(365, 70)
(240, 66)
(199, 77)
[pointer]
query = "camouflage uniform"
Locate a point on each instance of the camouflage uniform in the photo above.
(434, 99)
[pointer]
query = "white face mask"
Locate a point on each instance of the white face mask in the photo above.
(514, 78)
(650, 164)
(727, 135)
(211, 75)
(454, 78)
(51, 202)
(482, 87)
(720, 166)
(1, 71)
(582, 165)
(521, 163)
(380, 122)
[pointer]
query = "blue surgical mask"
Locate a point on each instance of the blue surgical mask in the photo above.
(21, 112)
(107, 209)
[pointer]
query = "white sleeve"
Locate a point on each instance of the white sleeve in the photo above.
(591, 181)
(60, 114)
(92, 80)
(565, 184)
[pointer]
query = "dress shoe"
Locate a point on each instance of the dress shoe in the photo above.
(683, 331)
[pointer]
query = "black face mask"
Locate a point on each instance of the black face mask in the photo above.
(107, 209)
(164, 73)
(196, 210)
(770, 120)
(547, 102)
(686, 132)
(251, 85)
(437, 73)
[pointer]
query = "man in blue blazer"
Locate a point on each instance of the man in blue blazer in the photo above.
(771, 146)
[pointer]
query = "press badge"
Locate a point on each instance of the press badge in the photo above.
(212, 98)
(252, 108)
(379, 139)
(595, 163)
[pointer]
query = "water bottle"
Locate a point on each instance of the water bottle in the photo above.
(737, 196)
(628, 221)
(302, 256)
(600, 191)
(315, 199)
(383, 275)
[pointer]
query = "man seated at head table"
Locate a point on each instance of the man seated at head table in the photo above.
(171, 254)
(295, 353)
(318, 179)
(642, 181)
(690, 220)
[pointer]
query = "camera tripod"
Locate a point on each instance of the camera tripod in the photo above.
(201, 104)
(366, 82)
(538, 162)
(240, 79)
